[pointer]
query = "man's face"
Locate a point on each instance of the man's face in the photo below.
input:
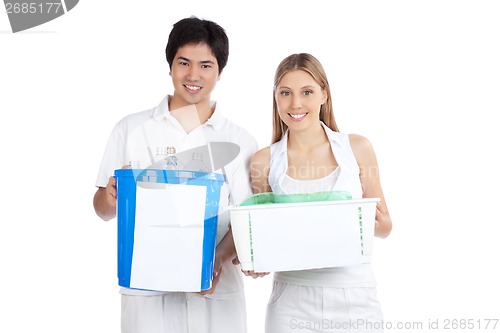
(194, 73)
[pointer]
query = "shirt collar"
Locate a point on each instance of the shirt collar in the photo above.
(162, 112)
(333, 136)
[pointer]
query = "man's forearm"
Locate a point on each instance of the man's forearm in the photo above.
(226, 249)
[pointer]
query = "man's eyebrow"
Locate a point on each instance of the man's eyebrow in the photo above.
(201, 62)
(207, 62)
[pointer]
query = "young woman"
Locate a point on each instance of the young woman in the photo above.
(308, 154)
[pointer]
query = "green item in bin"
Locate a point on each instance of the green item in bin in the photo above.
(271, 198)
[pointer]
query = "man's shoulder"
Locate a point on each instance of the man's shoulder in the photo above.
(230, 131)
(133, 120)
(233, 128)
(139, 116)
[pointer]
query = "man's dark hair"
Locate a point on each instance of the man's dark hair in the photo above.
(193, 30)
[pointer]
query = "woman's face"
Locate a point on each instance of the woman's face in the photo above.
(298, 99)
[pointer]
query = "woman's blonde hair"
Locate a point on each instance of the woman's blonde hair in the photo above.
(309, 64)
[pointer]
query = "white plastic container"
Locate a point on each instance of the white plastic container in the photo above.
(297, 236)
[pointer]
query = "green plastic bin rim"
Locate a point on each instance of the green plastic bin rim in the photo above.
(272, 198)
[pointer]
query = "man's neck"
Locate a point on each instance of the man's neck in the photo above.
(190, 116)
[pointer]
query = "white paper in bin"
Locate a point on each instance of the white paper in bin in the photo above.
(298, 236)
(167, 224)
(177, 229)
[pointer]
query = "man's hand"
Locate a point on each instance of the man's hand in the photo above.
(216, 277)
(105, 199)
(111, 192)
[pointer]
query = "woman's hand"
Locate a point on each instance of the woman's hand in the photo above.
(383, 224)
(253, 274)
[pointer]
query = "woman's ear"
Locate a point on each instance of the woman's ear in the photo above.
(325, 97)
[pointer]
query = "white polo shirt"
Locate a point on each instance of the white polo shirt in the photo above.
(136, 137)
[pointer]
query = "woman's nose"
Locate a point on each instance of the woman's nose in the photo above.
(296, 102)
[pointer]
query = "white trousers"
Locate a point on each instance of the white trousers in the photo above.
(182, 313)
(296, 308)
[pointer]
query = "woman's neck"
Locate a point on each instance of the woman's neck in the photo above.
(307, 139)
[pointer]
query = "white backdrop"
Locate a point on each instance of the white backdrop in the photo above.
(420, 79)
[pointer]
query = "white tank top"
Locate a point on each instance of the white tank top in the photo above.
(344, 178)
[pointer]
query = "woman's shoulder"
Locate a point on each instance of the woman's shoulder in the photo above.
(359, 141)
(361, 146)
(262, 156)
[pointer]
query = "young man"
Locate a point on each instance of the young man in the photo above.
(197, 52)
